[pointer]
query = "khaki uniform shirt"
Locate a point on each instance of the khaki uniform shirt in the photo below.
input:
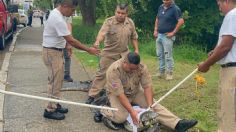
(119, 81)
(117, 36)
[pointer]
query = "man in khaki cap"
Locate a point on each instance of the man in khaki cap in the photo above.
(128, 82)
(117, 31)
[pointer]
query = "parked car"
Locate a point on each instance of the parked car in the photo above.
(23, 18)
(18, 15)
(13, 9)
(6, 24)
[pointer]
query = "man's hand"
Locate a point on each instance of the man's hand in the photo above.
(155, 34)
(96, 45)
(136, 51)
(69, 50)
(93, 51)
(202, 67)
(170, 34)
(134, 116)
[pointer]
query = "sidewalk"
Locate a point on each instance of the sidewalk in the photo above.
(27, 74)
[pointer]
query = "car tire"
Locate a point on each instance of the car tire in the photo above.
(2, 42)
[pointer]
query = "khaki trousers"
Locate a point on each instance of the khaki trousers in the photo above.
(165, 117)
(54, 62)
(227, 100)
(100, 77)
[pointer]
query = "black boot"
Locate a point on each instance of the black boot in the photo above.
(184, 125)
(68, 78)
(53, 115)
(61, 109)
(89, 100)
(97, 117)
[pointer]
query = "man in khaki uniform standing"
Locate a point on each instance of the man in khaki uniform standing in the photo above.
(117, 31)
(128, 82)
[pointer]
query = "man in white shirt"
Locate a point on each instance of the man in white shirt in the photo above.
(225, 55)
(55, 36)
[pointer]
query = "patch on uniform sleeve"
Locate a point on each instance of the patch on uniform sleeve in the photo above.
(114, 85)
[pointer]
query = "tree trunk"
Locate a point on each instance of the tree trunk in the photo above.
(87, 8)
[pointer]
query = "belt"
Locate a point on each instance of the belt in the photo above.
(54, 48)
(231, 64)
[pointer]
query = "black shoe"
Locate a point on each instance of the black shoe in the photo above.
(68, 78)
(184, 125)
(60, 109)
(89, 100)
(53, 115)
(97, 117)
(110, 124)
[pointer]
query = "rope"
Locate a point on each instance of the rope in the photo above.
(55, 100)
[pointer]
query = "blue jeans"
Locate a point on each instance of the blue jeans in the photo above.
(66, 63)
(164, 51)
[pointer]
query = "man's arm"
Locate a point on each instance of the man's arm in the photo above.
(101, 34)
(148, 92)
(134, 36)
(125, 102)
(218, 53)
(98, 41)
(135, 45)
(177, 27)
(155, 33)
(77, 44)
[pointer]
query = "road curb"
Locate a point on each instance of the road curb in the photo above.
(4, 73)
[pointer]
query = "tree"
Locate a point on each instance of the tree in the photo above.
(43, 4)
(87, 8)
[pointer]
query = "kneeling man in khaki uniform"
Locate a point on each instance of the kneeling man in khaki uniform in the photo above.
(128, 82)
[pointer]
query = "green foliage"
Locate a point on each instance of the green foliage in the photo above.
(106, 8)
(182, 52)
(86, 34)
(203, 23)
(189, 52)
(43, 4)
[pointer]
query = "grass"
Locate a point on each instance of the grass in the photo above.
(183, 102)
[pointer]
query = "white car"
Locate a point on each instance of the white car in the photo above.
(23, 18)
